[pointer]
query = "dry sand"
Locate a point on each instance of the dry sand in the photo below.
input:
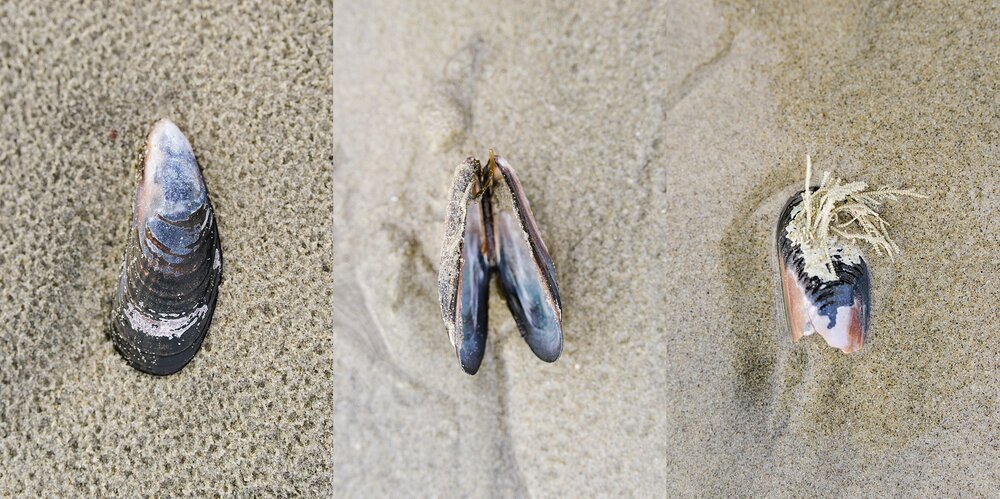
(657, 142)
(79, 88)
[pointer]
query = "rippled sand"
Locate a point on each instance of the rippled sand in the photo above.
(79, 89)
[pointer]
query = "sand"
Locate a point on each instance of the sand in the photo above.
(657, 144)
(80, 86)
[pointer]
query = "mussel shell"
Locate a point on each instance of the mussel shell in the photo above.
(838, 310)
(527, 275)
(168, 286)
(464, 276)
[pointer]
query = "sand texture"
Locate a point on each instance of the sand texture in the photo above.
(657, 142)
(80, 86)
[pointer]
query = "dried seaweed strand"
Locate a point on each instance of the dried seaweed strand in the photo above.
(847, 210)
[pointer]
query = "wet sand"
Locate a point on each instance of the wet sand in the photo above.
(657, 143)
(900, 95)
(80, 87)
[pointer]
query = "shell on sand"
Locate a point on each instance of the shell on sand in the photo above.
(464, 279)
(490, 228)
(837, 309)
(527, 275)
(169, 280)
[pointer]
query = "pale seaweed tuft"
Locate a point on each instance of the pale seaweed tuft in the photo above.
(837, 214)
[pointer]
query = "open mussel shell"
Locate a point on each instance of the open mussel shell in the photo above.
(464, 277)
(838, 310)
(527, 276)
(490, 227)
(173, 261)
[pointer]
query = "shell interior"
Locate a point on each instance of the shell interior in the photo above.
(449, 277)
(474, 293)
(527, 275)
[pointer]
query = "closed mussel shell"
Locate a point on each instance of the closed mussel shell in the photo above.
(169, 281)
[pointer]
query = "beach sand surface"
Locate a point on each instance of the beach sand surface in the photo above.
(80, 86)
(657, 143)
